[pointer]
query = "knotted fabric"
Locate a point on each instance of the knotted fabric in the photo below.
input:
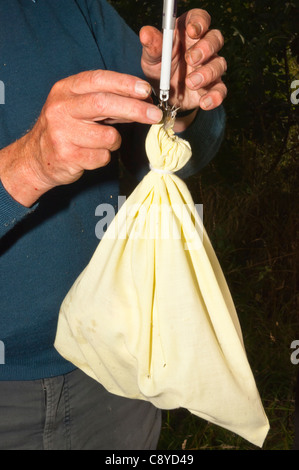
(151, 316)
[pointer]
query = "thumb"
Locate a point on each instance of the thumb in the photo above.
(151, 40)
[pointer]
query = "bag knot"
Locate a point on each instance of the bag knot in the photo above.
(167, 153)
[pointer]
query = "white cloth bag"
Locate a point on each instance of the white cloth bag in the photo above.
(151, 316)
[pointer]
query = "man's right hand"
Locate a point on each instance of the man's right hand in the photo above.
(73, 132)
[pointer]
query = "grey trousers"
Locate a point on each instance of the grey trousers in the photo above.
(73, 412)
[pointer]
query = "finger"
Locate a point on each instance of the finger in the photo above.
(96, 136)
(197, 23)
(106, 81)
(100, 106)
(213, 96)
(205, 48)
(90, 159)
(207, 74)
(151, 40)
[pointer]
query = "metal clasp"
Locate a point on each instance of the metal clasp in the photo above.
(169, 114)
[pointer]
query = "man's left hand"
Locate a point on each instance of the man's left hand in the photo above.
(197, 70)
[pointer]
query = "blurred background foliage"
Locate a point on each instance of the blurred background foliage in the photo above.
(250, 197)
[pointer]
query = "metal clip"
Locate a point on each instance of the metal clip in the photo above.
(169, 114)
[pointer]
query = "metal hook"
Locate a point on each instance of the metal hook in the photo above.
(169, 114)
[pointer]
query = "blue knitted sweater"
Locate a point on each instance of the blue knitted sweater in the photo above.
(44, 248)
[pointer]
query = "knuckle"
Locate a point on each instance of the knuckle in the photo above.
(53, 109)
(210, 46)
(56, 88)
(99, 102)
(207, 48)
(75, 81)
(95, 77)
(219, 37)
(90, 159)
(57, 138)
(124, 83)
(105, 157)
(112, 138)
(218, 97)
(222, 89)
(210, 74)
(223, 63)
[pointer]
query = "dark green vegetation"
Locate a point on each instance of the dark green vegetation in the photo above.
(250, 198)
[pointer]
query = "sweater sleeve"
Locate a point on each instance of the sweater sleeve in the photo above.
(11, 212)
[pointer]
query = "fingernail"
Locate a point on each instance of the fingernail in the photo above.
(142, 89)
(154, 114)
(196, 56)
(196, 79)
(197, 28)
(207, 102)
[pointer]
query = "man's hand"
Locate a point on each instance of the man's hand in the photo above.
(73, 133)
(196, 67)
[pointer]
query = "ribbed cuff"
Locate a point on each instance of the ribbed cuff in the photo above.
(11, 212)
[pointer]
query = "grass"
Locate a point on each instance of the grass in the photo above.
(183, 431)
